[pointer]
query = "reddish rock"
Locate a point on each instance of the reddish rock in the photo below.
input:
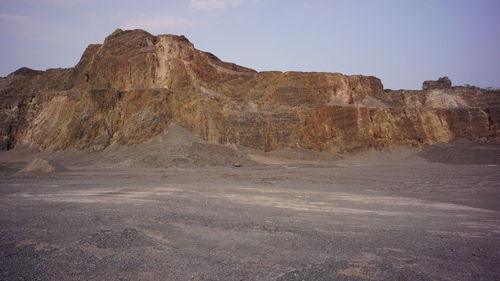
(134, 85)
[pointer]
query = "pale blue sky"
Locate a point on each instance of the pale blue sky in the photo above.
(403, 42)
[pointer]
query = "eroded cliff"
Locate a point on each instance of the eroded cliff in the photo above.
(134, 85)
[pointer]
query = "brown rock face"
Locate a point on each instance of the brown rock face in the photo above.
(134, 85)
(441, 83)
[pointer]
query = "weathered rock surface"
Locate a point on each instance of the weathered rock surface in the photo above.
(133, 86)
(441, 83)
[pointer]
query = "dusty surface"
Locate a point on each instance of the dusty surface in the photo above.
(127, 167)
(391, 216)
(463, 152)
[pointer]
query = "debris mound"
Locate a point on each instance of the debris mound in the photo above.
(176, 148)
(463, 152)
(41, 166)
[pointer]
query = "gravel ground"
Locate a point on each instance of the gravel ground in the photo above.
(289, 221)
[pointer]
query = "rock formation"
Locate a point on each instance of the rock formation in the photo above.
(441, 83)
(133, 86)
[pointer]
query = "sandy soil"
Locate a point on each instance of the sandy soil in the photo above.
(282, 216)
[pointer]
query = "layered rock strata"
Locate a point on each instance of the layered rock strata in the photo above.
(134, 85)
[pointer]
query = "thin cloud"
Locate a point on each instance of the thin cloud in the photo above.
(156, 25)
(217, 4)
(63, 2)
(13, 18)
(58, 3)
(207, 4)
(34, 29)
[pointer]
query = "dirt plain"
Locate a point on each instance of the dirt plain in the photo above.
(145, 161)
(283, 215)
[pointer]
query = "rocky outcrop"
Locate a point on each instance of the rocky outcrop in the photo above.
(134, 85)
(441, 83)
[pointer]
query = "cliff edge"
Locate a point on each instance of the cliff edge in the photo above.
(131, 87)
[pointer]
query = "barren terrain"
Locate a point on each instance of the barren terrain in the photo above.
(281, 216)
(153, 160)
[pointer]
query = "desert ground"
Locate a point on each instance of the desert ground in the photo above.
(283, 215)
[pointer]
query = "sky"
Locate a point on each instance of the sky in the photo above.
(403, 42)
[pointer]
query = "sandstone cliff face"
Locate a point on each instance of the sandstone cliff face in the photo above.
(134, 85)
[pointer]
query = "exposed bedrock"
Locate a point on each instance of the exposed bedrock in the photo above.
(441, 83)
(134, 85)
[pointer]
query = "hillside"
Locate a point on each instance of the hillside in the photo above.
(135, 85)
